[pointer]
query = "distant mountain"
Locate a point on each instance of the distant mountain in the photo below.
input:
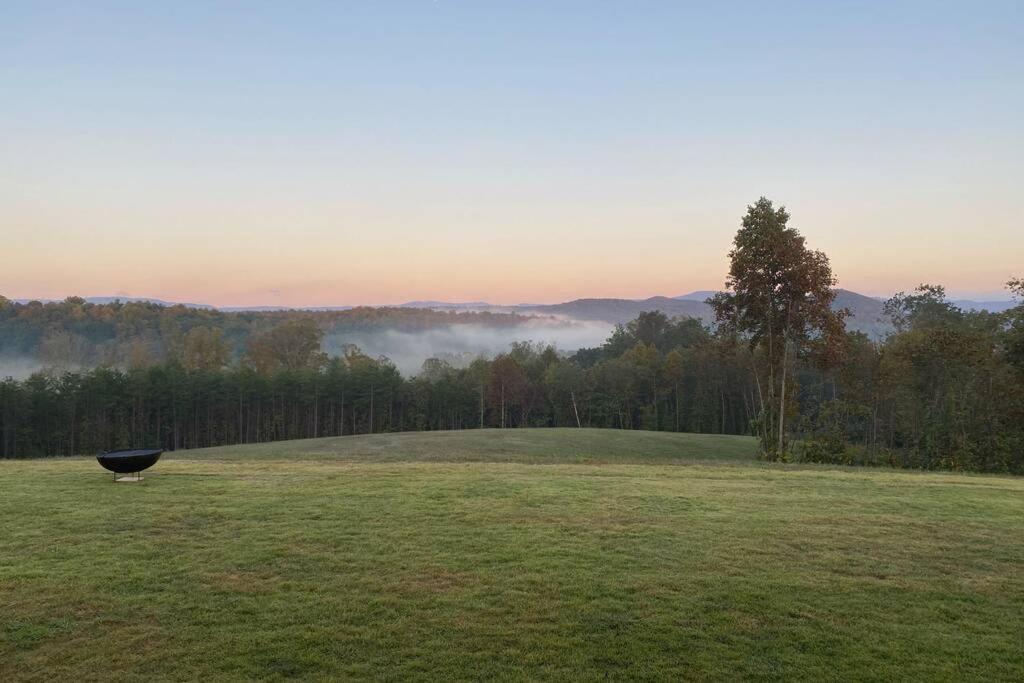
(699, 295)
(622, 310)
(99, 300)
(447, 305)
(867, 314)
(990, 306)
(268, 309)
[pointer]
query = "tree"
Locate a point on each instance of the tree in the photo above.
(508, 386)
(779, 297)
(615, 384)
(649, 328)
(1015, 325)
(62, 350)
(646, 362)
(564, 383)
(479, 374)
(954, 401)
(292, 345)
(675, 369)
(926, 307)
(204, 348)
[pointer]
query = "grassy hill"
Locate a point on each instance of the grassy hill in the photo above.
(629, 555)
(558, 445)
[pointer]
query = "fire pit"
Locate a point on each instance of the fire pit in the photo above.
(129, 462)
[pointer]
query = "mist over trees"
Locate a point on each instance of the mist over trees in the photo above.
(944, 390)
(77, 334)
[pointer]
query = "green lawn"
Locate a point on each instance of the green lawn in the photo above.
(608, 446)
(628, 555)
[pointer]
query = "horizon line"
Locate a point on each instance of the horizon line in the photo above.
(978, 297)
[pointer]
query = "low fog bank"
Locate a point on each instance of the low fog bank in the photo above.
(18, 368)
(456, 344)
(460, 344)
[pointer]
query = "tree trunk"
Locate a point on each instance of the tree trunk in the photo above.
(721, 396)
(677, 406)
(782, 397)
(770, 417)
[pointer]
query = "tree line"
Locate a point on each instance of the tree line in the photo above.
(654, 373)
(944, 390)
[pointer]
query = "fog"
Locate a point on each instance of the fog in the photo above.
(460, 344)
(457, 344)
(18, 368)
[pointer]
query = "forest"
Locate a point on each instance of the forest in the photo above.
(944, 390)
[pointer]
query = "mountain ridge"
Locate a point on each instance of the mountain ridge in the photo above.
(867, 312)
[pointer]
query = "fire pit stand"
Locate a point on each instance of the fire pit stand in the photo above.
(130, 462)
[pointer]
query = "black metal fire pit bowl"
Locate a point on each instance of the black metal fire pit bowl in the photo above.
(130, 461)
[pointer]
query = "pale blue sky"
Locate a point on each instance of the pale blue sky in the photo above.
(374, 152)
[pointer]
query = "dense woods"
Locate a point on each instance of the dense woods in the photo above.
(653, 374)
(944, 390)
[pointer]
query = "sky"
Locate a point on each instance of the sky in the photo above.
(376, 152)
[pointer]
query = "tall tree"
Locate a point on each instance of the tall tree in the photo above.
(1015, 325)
(779, 297)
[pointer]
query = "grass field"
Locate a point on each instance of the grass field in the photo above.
(519, 554)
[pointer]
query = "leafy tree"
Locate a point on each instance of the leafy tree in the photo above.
(479, 376)
(63, 350)
(675, 373)
(1015, 325)
(926, 306)
(779, 297)
(204, 348)
(293, 345)
(650, 328)
(646, 362)
(565, 382)
(508, 386)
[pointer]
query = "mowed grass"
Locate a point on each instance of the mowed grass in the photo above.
(609, 446)
(461, 556)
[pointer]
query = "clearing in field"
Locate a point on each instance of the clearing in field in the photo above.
(523, 554)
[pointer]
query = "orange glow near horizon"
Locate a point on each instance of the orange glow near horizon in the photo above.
(326, 257)
(374, 263)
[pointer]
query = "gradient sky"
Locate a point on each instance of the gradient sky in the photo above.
(375, 152)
